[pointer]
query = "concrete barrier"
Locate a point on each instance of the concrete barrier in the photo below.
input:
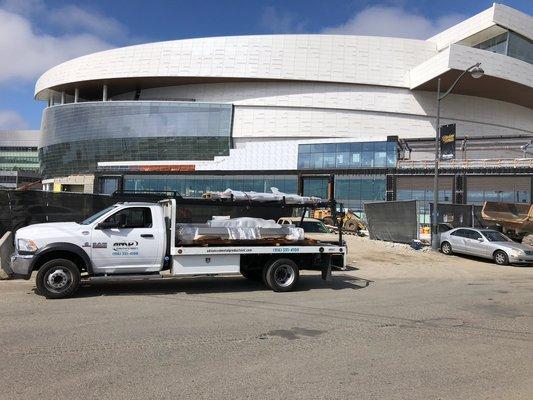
(6, 249)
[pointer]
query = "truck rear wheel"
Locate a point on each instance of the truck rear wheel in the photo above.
(281, 275)
(58, 278)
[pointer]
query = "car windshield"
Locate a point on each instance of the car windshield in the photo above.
(312, 226)
(94, 217)
(494, 236)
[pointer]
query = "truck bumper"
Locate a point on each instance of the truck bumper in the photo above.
(21, 266)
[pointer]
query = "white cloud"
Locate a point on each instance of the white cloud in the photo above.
(393, 22)
(73, 18)
(276, 21)
(11, 120)
(26, 50)
(26, 54)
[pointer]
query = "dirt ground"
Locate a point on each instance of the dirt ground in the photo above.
(395, 260)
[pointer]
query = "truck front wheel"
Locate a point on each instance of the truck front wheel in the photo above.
(58, 278)
(281, 275)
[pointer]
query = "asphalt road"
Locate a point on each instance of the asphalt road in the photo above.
(456, 329)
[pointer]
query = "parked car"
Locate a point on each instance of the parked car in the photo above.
(313, 228)
(485, 243)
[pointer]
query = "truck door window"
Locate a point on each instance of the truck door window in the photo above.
(134, 217)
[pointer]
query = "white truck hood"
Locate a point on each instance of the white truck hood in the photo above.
(53, 232)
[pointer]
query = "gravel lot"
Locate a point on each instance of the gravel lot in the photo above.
(405, 325)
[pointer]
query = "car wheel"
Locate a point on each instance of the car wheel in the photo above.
(501, 258)
(58, 278)
(446, 248)
(281, 275)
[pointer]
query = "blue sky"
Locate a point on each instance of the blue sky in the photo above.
(37, 34)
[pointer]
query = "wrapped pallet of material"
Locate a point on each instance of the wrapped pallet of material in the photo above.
(244, 222)
(245, 228)
(275, 195)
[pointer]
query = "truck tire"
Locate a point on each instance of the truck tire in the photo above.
(281, 275)
(350, 226)
(329, 221)
(528, 239)
(58, 278)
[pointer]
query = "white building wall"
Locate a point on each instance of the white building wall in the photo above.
(498, 14)
(329, 58)
(303, 109)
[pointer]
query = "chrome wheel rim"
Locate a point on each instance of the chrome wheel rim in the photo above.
(446, 248)
(58, 279)
(284, 275)
(500, 258)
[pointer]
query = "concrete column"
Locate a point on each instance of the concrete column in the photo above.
(104, 93)
(49, 100)
(63, 97)
(76, 95)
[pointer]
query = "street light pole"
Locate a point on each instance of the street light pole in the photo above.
(434, 225)
(476, 72)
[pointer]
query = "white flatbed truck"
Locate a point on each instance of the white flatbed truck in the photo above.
(137, 240)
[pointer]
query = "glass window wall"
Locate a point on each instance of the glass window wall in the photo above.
(77, 136)
(196, 185)
(510, 44)
(347, 155)
(354, 190)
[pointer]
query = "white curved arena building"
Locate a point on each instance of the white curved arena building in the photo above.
(288, 110)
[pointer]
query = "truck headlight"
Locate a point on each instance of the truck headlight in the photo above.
(26, 245)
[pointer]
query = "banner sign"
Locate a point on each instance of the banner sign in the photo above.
(447, 142)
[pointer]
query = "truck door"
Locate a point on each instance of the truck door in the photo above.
(126, 242)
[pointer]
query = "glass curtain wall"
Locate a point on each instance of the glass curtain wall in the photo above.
(347, 155)
(510, 44)
(354, 190)
(421, 189)
(75, 137)
(196, 185)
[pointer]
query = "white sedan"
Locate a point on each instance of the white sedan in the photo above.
(485, 243)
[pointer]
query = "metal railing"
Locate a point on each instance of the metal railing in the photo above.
(488, 163)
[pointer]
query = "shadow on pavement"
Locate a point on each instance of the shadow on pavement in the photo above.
(206, 285)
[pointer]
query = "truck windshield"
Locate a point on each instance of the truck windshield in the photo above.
(94, 217)
(494, 236)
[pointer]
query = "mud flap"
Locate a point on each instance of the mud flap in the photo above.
(326, 269)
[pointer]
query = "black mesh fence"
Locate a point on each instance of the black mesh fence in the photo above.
(22, 208)
(393, 221)
(460, 215)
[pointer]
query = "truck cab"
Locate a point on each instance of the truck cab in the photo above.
(122, 239)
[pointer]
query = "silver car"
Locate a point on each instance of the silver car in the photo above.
(485, 243)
